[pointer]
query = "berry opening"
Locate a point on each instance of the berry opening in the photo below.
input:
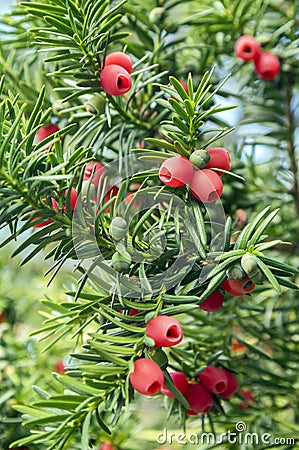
(154, 388)
(213, 196)
(267, 74)
(248, 285)
(247, 49)
(173, 333)
(165, 175)
(220, 387)
(123, 82)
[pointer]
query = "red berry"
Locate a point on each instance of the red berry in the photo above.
(176, 171)
(41, 224)
(165, 331)
(119, 59)
(213, 379)
(73, 200)
(185, 86)
(199, 399)
(238, 287)
(219, 159)
(94, 169)
(45, 131)
(106, 446)
(248, 396)
(236, 345)
(147, 377)
(241, 215)
(232, 384)
(247, 48)
(112, 192)
(115, 80)
(206, 186)
(267, 65)
(180, 381)
(132, 312)
(213, 302)
(59, 367)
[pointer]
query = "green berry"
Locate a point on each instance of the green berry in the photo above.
(236, 272)
(118, 228)
(200, 158)
(258, 277)
(249, 264)
(157, 14)
(121, 261)
(96, 104)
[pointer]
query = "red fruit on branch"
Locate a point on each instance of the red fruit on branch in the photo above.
(132, 312)
(241, 216)
(199, 399)
(94, 169)
(147, 377)
(119, 59)
(184, 85)
(106, 446)
(213, 379)
(180, 381)
(219, 159)
(238, 288)
(176, 171)
(41, 224)
(247, 48)
(165, 331)
(232, 384)
(46, 131)
(236, 345)
(267, 65)
(73, 200)
(213, 302)
(206, 186)
(60, 367)
(115, 80)
(248, 396)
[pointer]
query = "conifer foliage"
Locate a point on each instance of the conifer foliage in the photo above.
(117, 154)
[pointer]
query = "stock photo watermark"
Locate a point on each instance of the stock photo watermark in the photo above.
(237, 436)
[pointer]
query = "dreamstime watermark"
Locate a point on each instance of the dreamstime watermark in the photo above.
(238, 436)
(172, 215)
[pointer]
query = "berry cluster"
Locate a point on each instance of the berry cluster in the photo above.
(267, 65)
(115, 77)
(55, 205)
(147, 377)
(212, 381)
(242, 279)
(205, 183)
